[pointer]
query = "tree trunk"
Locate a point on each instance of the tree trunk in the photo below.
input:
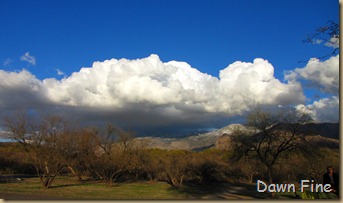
(101, 177)
(78, 175)
(49, 181)
(270, 175)
(251, 176)
(181, 180)
(270, 178)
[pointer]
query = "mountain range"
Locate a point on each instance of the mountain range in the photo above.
(322, 134)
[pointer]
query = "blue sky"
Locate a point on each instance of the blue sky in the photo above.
(208, 34)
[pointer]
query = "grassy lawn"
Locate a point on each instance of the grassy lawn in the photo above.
(70, 188)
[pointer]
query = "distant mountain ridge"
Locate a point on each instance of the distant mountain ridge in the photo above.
(195, 142)
(328, 130)
(321, 133)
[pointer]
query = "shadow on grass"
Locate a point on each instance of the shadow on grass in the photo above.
(65, 185)
(220, 191)
(247, 189)
(78, 183)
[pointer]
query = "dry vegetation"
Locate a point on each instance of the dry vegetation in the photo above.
(52, 148)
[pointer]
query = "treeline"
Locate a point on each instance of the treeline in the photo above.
(52, 146)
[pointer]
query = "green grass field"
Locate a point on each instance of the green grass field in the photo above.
(70, 188)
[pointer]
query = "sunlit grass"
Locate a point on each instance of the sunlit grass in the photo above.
(70, 188)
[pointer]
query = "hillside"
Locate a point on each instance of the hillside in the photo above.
(194, 143)
(318, 134)
(322, 134)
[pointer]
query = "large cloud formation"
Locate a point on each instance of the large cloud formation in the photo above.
(118, 83)
(150, 92)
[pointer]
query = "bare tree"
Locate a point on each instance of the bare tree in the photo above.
(268, 136)
(250, 166)
(151, 162)
(328, 34)
(176, 167)
(81, 160)
(47, 140)
(114, 153)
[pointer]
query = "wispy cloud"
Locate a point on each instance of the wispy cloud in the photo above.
(28, 58)
(333, 42)
(7, 62)
(59, 72)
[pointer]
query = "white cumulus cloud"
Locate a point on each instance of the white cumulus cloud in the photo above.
(20, 90)
(320, 74)
(117, 83)
(151, 92)
(323, 110)
(28, 58)
(243, 85)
